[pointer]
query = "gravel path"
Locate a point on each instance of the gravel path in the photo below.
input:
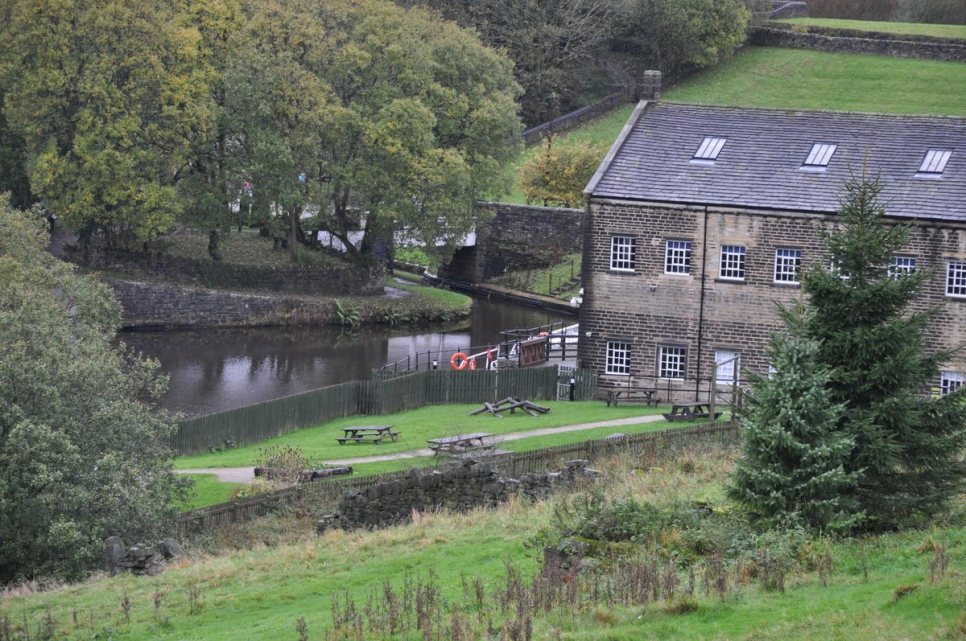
(246, 474)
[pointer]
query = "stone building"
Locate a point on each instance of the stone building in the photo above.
(700, 217)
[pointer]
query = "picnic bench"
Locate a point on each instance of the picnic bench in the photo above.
(690, 412)
(615, 395)
(367, 434)
(461, 444)
(512, 404)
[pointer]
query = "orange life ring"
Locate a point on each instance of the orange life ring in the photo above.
(472, 363)
(458, 361)
(544, 334)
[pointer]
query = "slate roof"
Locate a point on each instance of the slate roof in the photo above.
(760, 165)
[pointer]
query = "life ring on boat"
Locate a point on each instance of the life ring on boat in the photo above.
(472, 363)
(459, 361)
(544, 334)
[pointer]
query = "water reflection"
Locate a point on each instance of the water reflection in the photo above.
(215, 370)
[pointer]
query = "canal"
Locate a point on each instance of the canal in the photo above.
(215, 370)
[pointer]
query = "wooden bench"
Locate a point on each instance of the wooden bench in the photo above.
(367, 434)
(690, 412)
(461, 444)
(615, 395)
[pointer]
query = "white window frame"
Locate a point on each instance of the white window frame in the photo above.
(902, 266)
(618, 358)
(727, 366)
(677, 257)
(950, 382)
(672, 362)
(732, 262)
(956, 278)
(623, 253)
(786, 257)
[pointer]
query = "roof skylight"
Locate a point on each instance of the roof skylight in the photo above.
(935, 162)
(709, 150)
(820, 155)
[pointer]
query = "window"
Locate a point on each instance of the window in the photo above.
(819, 157)
(726, 365)
(672, 362)
(787, 264)
(950, 382)
(618, 358)
(956, 278)
(708, 151)
(902, 266)
(732, 264)
(623, 253)
(677, 257)
(934, 163)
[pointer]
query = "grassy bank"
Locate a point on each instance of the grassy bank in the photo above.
(900, 28)
(476, 576)
(798, 79)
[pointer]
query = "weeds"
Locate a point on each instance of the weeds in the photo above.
(347, 316)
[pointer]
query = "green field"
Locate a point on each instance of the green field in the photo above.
(909, 28)
(800, 79)
(472, 574)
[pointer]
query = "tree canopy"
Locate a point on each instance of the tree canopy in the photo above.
(83, 446)
(138, 114)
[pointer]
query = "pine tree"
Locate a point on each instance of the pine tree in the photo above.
(792, 472)
(907, 446)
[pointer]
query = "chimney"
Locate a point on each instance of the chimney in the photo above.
(650, 86)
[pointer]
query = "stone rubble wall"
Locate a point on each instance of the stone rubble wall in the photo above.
(466, 485)
(140, 560)
(849, 41)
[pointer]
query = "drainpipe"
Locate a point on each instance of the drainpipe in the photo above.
(704, 264)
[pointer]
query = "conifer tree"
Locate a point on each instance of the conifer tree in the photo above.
(906, 445)
(792, 472)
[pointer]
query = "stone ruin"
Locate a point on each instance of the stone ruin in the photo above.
(140, 560)
(463, 486)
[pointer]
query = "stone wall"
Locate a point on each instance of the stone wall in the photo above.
(647, 88)
(465, 485)
(318, 280)
(149, 305)
(518, 237)
(140, 560)
(849, 41)
(701, 312)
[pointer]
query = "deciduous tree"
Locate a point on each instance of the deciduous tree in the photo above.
(84, 450)
(558, 174)
(106, 97)
(677, 36)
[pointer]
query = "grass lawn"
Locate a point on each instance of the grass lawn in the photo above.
(318, 443)
(792, 78)
(910, 28)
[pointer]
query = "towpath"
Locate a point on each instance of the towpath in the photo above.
(246, 474)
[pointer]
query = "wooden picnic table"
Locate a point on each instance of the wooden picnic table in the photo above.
(461, 443)
(367, 434)
(647, 395)
(690, 412)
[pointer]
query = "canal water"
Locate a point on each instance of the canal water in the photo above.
(215, 370)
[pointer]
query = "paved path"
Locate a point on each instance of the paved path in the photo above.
(246, 474)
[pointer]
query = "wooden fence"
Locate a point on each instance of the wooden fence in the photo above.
(325, 494)
(386, 393)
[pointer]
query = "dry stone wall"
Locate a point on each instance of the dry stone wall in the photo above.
(847, 41)
(465, 485)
